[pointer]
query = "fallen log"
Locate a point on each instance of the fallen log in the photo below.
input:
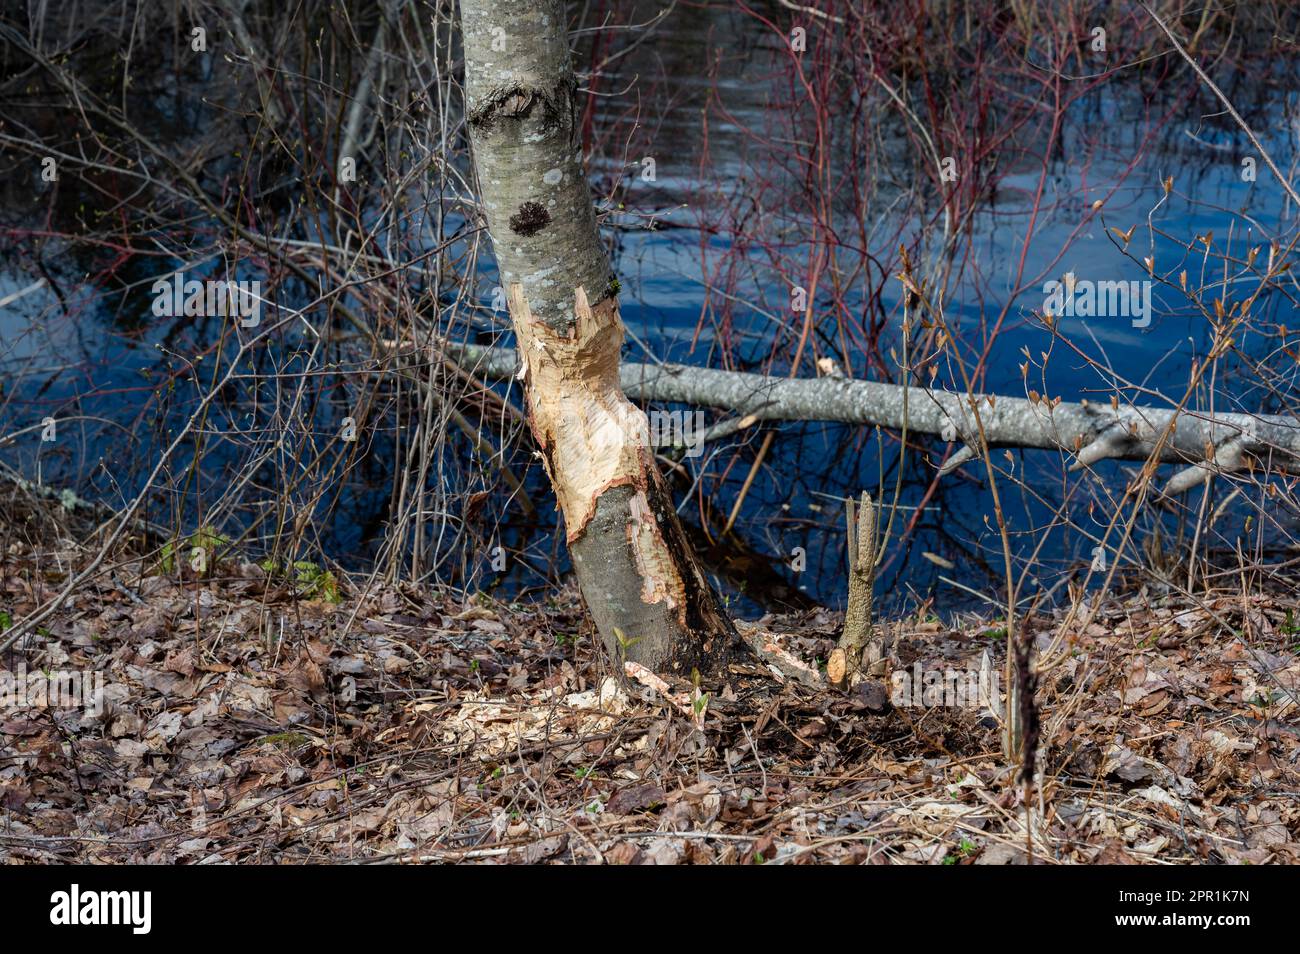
(1088, 431)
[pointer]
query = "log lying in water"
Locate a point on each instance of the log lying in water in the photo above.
(1089, 432)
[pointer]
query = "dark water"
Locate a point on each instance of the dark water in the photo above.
(1113, 149)
(95, 351)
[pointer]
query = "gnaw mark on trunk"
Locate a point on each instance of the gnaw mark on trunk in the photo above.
(632, 556)
(591, 437)
(661, 582)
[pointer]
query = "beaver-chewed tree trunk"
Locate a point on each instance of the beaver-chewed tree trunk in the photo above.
(845, 662)
(642, 584)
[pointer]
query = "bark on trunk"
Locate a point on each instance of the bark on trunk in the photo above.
(641, 582)
(1090, 432)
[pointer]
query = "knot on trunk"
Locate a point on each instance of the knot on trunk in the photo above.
(530, 219)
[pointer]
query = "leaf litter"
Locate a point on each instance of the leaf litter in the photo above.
(244, 719)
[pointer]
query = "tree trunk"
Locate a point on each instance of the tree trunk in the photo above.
(845, 661)
(641, 582)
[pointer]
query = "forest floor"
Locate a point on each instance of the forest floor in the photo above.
(253, 716)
